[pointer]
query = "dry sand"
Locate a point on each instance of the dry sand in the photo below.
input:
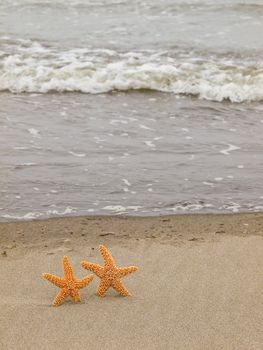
(199, 283)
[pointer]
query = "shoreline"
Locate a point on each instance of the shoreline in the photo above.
(206, 226)
(131, 216)
(198, 286)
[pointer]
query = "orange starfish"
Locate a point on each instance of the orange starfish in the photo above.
(69, 284)
(109, 274)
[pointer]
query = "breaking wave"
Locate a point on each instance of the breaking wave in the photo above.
(31, 67)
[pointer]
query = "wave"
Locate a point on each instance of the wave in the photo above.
(34, 68)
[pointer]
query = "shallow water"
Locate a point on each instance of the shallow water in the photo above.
(141, 108)
(128, 153)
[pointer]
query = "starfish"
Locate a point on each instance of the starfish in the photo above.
(69, 284)
(109, 274)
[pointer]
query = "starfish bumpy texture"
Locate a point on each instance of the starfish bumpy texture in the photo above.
(69, 284)
(109, 274)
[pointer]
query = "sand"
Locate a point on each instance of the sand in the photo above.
(199, 283)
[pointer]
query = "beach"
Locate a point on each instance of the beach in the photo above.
(198, 286)
(137, 125)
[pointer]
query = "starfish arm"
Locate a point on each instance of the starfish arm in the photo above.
(67, 268)
(119, 287)
(97, 269)
(75, 295)
(57, 281)
(127, 270)
(61, 295)
(84, 281)
(108, 259)
(102, 288)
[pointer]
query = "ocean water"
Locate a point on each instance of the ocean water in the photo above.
(132, 107)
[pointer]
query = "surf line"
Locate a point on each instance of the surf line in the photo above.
(229, 149)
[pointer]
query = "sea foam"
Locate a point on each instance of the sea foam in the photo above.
(36, 69)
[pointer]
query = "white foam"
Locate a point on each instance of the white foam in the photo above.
(258, 208)
(118, 121)
(34, 132)
(234, 207)
(121, 208)
(20, 148)
(125, 155)
(157, 138)
(190, 207)
(68, 210)
(41, 70)
(229, 149)
(80, 155)
(149, 144)
(218, 178)
(35, 215)
(28, 216)
(145, 127)
(208, 183)
(126, 182)
(27, 164)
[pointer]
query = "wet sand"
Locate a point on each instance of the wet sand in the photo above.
(199, 283)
